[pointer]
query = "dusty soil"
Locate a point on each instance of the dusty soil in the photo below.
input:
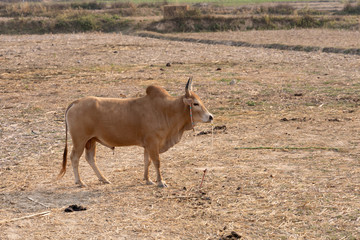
(287, 166)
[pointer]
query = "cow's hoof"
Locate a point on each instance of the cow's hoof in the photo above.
(80, 184)
(149, 182)
(105, 181)
(162, 185)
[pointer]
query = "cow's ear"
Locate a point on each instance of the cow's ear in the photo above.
(188, 101)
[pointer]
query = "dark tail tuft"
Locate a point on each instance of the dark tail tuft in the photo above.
(63, 169)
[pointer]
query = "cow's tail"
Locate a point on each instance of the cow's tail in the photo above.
(63, 168)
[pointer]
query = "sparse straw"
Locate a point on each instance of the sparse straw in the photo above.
(25, 217)
(42, 204)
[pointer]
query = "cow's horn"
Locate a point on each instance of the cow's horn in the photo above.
(188, 87)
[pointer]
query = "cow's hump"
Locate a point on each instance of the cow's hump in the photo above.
(156, 91)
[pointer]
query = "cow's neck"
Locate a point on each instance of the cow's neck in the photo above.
(178, 121)
(181, 119)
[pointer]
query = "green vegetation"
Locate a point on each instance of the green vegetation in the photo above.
(251, 103)
(226, 80)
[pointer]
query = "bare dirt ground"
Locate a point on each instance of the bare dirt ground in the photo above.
(287, 166)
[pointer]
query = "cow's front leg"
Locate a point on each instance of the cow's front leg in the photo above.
(154, 155)
(147, 162)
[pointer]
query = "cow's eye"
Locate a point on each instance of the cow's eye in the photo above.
(196, 104)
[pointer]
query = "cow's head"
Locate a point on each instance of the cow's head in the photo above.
(199, 111)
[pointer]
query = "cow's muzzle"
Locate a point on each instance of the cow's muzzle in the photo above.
(210, 118)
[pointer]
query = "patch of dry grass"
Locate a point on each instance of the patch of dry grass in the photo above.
(297, 188)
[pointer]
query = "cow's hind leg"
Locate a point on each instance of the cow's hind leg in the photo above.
(75, 157)
(90, 149)
(147, 162)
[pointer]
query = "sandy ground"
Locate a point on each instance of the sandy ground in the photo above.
(287, 166)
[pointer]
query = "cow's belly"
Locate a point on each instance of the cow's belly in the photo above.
(117, 140)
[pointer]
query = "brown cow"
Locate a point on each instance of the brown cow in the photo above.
(156, 122)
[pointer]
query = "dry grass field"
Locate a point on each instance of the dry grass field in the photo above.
(286, 167)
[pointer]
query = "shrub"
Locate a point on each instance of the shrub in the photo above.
(191, 13)
(152, 5)
(352, 8)
(76, 22)
(123, 5)
(86, 23)
(24, 9)
(307, 21)
(282, 9)
(83, 22)
(88, 5)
